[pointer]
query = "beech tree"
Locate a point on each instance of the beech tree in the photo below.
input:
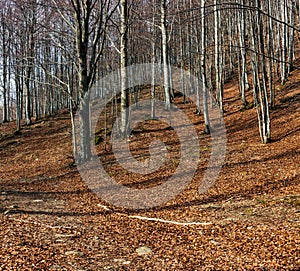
(124, 61)
(242, 34)
(53, 52)
(88, 21)
(165, 54)
(5, 59)
(203, 68)
(218, 56)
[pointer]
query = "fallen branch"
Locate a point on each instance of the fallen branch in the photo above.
(171, 221)
(159, 219)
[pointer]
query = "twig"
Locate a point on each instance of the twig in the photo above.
(171, 221)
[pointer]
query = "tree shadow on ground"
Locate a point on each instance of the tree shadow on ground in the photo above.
(245, 194)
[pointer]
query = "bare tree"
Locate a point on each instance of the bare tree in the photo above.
(203, 67)
(88, 22)
(260, 82)
(4, 56)
(242, 34)
(165, 54)
(124, 60)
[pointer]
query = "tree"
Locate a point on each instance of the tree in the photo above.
(88, 22)
(242, 33)
(51, 55)
(218, 57)
(4, 56)
(124, 60)
(165, 54)
(260, 82)
(203, 67)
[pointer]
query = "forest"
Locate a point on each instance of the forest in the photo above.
(53, 52)
(212, 187)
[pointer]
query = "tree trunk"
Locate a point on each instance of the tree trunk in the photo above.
(217, 55)
(284, 41)
(244, 75)
(260, 85)
(165, 55)
(270, 41)
(203, 68)
(27, 97)
(4, 57)
(124, 81)
(153, 63)
(291, 36)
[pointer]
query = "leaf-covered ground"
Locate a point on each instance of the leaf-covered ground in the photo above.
(249, 220)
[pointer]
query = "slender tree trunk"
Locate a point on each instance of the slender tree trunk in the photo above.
(18, 101)
(217, 53)
(291, 36)
(4, 95)
(270, 41)
(203, 68)
(244, 76)
(259, 84)
(182, 63)
(124, 60)
(165, 55)
(4, 74)
(255, 73)
(264, 100)
(199, 70)
(284, 41)
(28, 113)
(153, 63)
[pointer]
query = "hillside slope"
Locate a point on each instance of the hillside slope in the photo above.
(250, 219)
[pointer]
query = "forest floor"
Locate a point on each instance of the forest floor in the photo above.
(249, 220)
